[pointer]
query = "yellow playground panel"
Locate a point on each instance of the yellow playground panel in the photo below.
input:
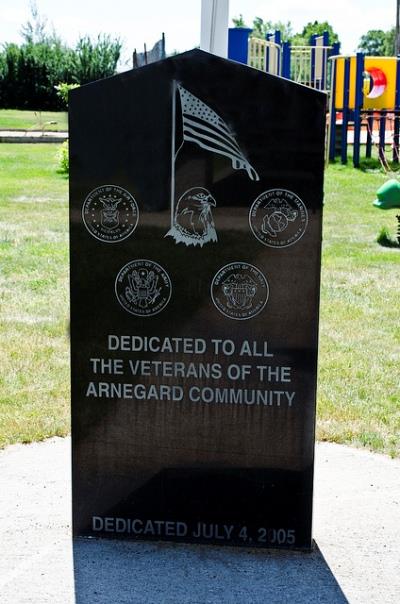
(379, 83)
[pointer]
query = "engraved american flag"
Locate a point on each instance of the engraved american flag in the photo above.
(201, 125)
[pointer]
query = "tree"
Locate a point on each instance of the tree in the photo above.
(239, 21)
(261, 28)
(318, 28)
(29, 73)
(35, 30)
(378, 43)
(95, 60)
(373, 43)
(390, 43)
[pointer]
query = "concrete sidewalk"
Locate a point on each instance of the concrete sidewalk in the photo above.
(357, 530)
(32, 136)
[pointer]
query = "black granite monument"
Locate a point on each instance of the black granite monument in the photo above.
(196, 204)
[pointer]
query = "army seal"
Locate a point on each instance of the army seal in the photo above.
(278, 218)
(110, 213)
(143, 288)
(239, 290)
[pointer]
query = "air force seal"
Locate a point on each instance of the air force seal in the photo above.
(110, 213)
(239, 290)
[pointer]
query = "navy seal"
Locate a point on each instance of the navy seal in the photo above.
(239, 290)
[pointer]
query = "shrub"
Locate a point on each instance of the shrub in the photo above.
(63, 90)
(95, 60)
(63, 159)
(29, 73)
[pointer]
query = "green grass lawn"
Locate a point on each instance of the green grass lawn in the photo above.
(34, 373)
(358, 395)
(15, 119)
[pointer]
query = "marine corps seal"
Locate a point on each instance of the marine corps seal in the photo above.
(239, 290)
(278, 218)
(110, 213)
(143, 288)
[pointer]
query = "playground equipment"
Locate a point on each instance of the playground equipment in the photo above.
(306, 65)
(365, 98)
(387, 198)
(388, 195)
(364, 92)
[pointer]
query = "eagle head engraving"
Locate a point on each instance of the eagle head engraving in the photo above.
(193, 219)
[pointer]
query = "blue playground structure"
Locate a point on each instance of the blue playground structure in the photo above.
(306, 65)
(363, 92)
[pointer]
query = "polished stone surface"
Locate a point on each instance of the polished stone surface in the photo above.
(196, 202)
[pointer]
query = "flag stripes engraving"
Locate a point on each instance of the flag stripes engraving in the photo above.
(203, 126)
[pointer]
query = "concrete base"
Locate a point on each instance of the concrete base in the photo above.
(357, 530)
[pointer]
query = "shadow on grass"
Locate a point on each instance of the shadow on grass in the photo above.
(369, 164)
(386, 240)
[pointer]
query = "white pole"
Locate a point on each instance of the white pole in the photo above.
(214, 26)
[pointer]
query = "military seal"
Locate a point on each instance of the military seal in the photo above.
(278, 218)
(110, 213)
(143, 288)
(239, 290)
